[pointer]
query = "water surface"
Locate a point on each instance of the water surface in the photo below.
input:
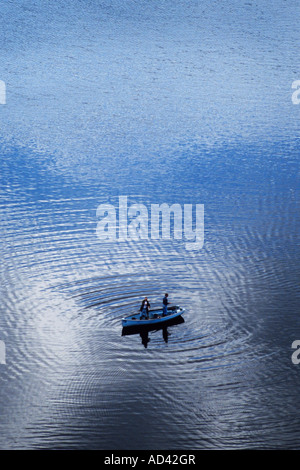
(169, 102)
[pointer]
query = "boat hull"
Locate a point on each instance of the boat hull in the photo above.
(156, 317)
(144, 329)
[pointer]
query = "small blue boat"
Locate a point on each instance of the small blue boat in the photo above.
(155, 316)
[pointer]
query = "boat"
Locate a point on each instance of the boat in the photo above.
(155, 317)
(143, 329)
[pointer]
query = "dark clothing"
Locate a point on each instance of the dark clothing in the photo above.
(145, 304)
(165, 307)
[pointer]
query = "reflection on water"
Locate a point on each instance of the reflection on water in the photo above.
(144, 331)
(163, 103)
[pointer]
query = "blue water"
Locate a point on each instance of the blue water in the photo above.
(164, 102)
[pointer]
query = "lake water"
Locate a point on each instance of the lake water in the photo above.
(162, 102)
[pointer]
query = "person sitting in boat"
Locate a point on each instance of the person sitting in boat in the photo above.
(165, 305)
(145, 308)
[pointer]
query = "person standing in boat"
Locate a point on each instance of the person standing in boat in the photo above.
(165, 305)
(145, 308)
